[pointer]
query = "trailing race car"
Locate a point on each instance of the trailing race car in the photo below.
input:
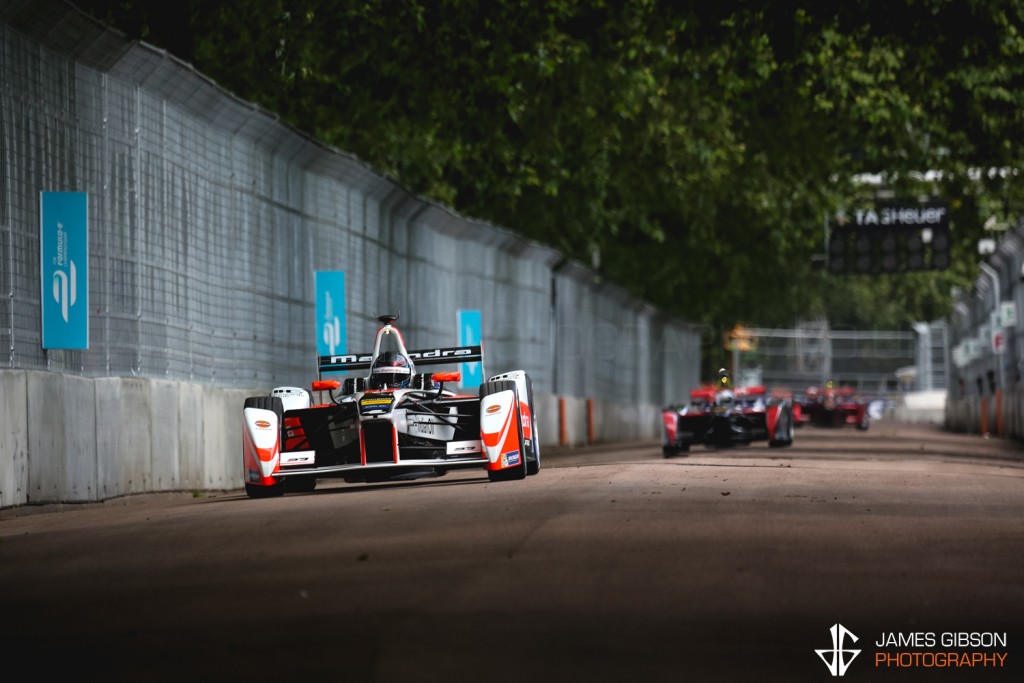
(835, 407)
(719, 416)
(393, 424)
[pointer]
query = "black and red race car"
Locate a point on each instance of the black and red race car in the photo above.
(834, 407)
(720, 416)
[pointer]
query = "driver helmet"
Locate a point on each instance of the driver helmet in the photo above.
(725, 394)
(391, 370)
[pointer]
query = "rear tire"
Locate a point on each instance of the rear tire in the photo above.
(517, 471)
(532, 465)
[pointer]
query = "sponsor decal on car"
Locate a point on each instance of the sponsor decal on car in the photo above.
(443, 353)
(493, 409)
(369, 405)
(298, 458)
(428, 354)
(455, 447)
(263, 424)
(390, 370)
(511, 458)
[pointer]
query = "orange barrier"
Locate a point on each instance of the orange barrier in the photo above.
(590, 421)
(984, 415)
(999, 412)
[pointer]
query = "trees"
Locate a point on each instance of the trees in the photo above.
(694, 145)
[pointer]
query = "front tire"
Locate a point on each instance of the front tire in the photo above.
(532, 465)
(272, 491)
(672, 451)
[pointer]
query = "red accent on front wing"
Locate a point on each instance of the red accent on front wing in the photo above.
(252, 455)
(671, 420)
(492, 439)
(509, 439)
(771, 419)
(855, 414)
(511, 443)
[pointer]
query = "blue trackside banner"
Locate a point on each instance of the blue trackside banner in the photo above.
(469, 335)
(330, 312)
(64, 269)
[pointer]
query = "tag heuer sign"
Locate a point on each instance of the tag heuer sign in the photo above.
(895, 236)
(907, 214)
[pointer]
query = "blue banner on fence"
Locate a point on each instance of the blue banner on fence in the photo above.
(64, 271)
(330, 312)
(469, 335)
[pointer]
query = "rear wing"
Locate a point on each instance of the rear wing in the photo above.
(704, 394)
(437, 356)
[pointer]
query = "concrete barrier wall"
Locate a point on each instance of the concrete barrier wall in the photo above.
(999, 414)
(13, 438)
(572, 421)
(68, 439)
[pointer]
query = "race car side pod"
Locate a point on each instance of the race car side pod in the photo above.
(261, 445)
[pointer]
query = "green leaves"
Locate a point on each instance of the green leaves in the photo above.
(701, 148)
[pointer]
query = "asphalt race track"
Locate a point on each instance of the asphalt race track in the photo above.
(613, 564)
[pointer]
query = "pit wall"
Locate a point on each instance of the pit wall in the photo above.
(68, 439)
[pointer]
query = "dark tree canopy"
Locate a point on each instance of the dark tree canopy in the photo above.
(699, 148)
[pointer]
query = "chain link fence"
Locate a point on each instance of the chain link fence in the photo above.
(874, 362)
(209, 217)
